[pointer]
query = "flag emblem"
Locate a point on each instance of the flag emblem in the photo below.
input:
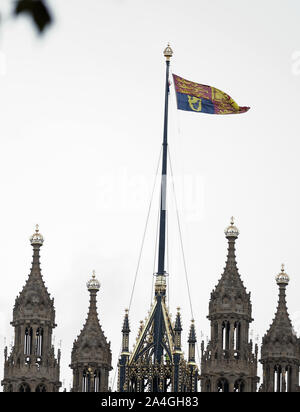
(197, 97)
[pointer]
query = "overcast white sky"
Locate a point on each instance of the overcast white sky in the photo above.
(81, 112)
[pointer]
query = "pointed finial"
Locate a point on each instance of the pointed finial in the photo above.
(282, 278)
(178, 326)
(232, 230)
(37, 238)
(168, 52)
(93, 284)
(192, 335)
(126, 328)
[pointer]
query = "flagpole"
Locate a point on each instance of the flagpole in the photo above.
(168, 52)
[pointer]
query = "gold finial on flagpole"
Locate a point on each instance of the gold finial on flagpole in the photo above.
(168, 52)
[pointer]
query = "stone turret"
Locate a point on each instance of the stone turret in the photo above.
(91, 354)
(228, 363)
(280, 354)
(32, 366)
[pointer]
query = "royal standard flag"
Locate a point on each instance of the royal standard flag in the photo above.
(197, 97)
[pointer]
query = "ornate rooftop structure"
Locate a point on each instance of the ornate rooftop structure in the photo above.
(91, 354)
(280, 352)
(156, 363)
(31, 365)
(228, 362)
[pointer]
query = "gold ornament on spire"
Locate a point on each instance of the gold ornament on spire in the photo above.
(168, 52)
(37, 238)
(282, 278)
(232, 230)
(93, 284)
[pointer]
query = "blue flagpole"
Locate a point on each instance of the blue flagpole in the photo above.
(162, 228)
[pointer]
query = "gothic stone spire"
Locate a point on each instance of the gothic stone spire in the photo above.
(32, 365)
(281, 328)
(91, 354)
(230, 294)
(34, 297)
(280, 354)
(228, 363)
